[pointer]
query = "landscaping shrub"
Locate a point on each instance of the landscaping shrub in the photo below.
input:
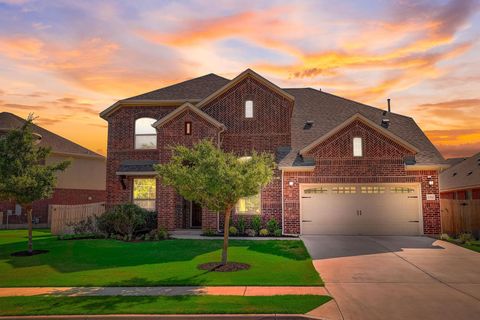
(445, 237)
(162, 234)
(125, 220)
(256, 223)
(272, 225)
(233, 231)
(277, 233)
(464, 238)
(241, 225)
(209, 232)
(83, 227)
(250, 233)
(263, 233)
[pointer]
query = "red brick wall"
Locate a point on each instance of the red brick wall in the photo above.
(382, 162)
(60, 196)
(268, 129)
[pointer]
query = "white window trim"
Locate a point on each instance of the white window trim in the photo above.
(357, 150)
(135, 135)
(248, 109)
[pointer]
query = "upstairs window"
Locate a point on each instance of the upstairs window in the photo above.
(357, 147)
(249, 109)
(188, 128)
(145, 134)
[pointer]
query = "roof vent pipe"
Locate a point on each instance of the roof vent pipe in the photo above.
(388, 102)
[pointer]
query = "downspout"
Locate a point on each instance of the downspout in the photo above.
(283, 211)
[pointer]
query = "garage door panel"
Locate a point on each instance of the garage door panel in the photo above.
(369, 209)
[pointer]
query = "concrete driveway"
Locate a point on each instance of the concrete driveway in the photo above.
(393, 277)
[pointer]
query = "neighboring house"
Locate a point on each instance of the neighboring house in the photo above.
(343, 167)
(462, 180)
(81, 183)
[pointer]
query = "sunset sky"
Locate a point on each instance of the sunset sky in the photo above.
(68, 60)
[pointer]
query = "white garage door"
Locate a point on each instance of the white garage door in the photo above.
(360, 209)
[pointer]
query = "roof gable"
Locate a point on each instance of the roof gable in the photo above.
(363, 119)
(240, 77)
(59, 145)
(187, 107)
(462, 175)
(193, 90)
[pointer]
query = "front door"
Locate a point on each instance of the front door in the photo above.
(196, 221)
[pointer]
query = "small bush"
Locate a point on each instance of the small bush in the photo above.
(256, 223)
(86, 226)
(241, 225)
(162, 234)
(125, 220)
(263, 233)
(232, 231)
(445, 236)
(272, 225)
(277, 233)
(209, 232)
(465, 238)
(250, 233)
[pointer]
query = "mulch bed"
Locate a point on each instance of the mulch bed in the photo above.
(229, 267)
(28, 254)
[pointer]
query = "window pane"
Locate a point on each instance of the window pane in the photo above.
(144, 189)
(144, 126)
(146, 204)
(249, 109)
(357, 147)
(249, 205)
(146, 142)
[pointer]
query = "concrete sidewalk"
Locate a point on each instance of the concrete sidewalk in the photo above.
(163, 291)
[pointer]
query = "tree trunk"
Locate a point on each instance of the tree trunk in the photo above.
(29, 219)
(226, 228)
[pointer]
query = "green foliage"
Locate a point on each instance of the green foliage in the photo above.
(24, 175)
(85, 226)
(272, 225)
(263, 233)
(124, 220)
(214, 178)
(209, 232)
(250, 233)
(162, 234)
(256, 223)
(277, 233)
(241, 225)
(233, 231)
(465, 238)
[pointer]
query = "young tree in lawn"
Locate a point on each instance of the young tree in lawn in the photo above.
(24, 175)
(216, 179)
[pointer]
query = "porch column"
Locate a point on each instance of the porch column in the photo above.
(209, 220)
(166, 205)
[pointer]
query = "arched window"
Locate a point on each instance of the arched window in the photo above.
(145, 134)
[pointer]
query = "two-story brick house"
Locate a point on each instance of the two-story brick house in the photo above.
(343, 167)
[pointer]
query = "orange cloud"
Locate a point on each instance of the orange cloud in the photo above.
(250, 25)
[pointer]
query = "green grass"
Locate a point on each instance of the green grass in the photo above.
(169, 262)
(473, 245)
(54, 305)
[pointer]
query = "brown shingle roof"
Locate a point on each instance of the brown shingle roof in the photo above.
(58, 144)
(328, 111)
(197, 88)
(459, 176)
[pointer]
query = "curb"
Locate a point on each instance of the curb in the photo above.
(165, 317)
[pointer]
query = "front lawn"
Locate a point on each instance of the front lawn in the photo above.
(49, 305)
(473, 245)
(156, 263)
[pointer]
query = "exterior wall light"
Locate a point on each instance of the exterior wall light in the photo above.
(290, 183)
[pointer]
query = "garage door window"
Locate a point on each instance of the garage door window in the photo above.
(344, 190)
(372, 189)
(402, 190)
(315, 190)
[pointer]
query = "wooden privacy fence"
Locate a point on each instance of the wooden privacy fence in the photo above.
(61, 217)
(460, 216)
